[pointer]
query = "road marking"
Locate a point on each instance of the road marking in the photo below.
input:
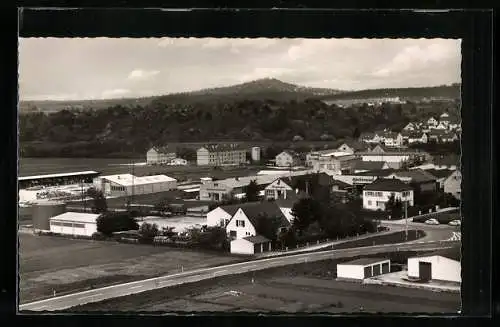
(220, 271)
(252, 266)
(138, 286)
(89, 296)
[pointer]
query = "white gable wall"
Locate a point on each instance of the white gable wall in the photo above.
(442, 268)
(216, 216)
(241, 231)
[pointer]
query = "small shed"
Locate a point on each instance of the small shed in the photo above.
(250, 245)
(442, 265)
(363, 268)
(74, 223)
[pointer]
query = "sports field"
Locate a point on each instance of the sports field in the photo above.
(48, 263)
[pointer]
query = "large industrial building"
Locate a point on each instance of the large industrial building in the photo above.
(160, 155)
(74, 223)
(57, 179)
(221, 155)
(127, 184)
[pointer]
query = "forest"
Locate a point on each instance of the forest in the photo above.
(120, 131)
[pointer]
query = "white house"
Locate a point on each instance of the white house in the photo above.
(453, 184)
(432, 122)
(278, 189)
(287, 158)
(363, 268)
(351, 147)
(376, 194)
(74, 223)
(409, 127)
(250, 245)
(127, 184)
(159, 155)
(441, 265)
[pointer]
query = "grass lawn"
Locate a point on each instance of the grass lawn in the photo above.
(305, 287)
(67, 265)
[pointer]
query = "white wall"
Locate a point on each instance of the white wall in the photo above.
(284, 160)
(241, 246)
(384, 198)
(287, 212)
(202, 157)
(350, 271)
(453, 184)
(215, 216)
(88, 230)
(248, 230)
(442, 268)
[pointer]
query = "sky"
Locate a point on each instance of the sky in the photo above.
(103, 68)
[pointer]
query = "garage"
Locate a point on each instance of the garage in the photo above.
(251, 245)
(363, 268)
(443, 265)
(74, 223)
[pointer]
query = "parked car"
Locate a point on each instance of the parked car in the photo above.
(455, 222)
(432, 221)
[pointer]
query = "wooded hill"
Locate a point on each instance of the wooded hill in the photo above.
(263, 89)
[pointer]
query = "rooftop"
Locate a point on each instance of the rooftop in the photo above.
(222, 147)
(440, 173)
(77, 217)
(369, 165)
(257, 239)
(453, 253)
(416, 175)
(129, 179)
(236, 182)
(253, 210)
(365, 261)
(78, 173)
(383, 184)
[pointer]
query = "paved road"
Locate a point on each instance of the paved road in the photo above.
(96, 295)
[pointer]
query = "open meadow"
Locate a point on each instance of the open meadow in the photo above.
(306, 287)
(48, 264)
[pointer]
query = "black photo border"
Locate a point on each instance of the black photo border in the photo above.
(474, 27)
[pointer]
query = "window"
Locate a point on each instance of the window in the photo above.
(380, 204)
(379, 194)
(370, 202)
(79, 225)
(247, 233)
(240, 223)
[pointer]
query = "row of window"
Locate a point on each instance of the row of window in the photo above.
(117, 188)
(377, 194)
(75, 225)
(240, 223)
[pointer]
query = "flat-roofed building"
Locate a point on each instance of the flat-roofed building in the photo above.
(221, 155)
(127, 184)
(359, 269)
(74, 223)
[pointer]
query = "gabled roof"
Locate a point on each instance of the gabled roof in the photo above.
(355, 145)
(163, 149)
(440, 173)
(416, 175)
(383, 184)
(292, 153)
(369, 165)
(446, 160)
(253, 211)
(412, 134)
(257, 239)
(378, 173)
(222, 147)
(453, 253)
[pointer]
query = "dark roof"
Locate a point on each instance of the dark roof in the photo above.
(292, 153)
(384, 184)
(379, 147)
(253, 211)
(163, 149)
(257, 239)
(446, 160)
(412, 134)
(440, 173)
(365, 261)
(222, 147)
(378, 173)
(416, 175)
(369, 165)
(453, 253)
(341, 184)
(355, 145)
(288, 202)
(437, 132)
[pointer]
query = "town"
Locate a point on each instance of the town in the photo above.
(300, 202)
(245, 175)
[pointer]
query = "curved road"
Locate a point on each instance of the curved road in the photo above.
(96, 295)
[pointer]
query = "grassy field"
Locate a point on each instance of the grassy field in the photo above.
(306, 287)
(66, 265)
(39, 166)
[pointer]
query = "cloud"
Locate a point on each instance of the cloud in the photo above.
(167, 42)
(139, 74)
(264, 72)
(114, 93)
(53, 97)
(416, 57)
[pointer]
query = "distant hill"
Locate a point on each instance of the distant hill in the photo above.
(262, 89)
(411, 93)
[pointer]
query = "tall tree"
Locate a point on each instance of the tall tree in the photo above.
(356, 133)
(394, 207)
(111, 222)
(305, 212)
(148, 232)
(99, 203)
(268, 226)
(252, 192)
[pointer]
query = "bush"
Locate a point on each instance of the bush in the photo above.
(110, 222)
(148, 232)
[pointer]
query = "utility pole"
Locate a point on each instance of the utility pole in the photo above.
(133, 177)
(406, 221)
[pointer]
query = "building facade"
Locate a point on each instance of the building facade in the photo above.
(377, 194)
(453, 184)
(127, 184)
(288, 158)
(220, 155)
(159, 155)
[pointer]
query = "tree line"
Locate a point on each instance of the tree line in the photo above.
(127, 131)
